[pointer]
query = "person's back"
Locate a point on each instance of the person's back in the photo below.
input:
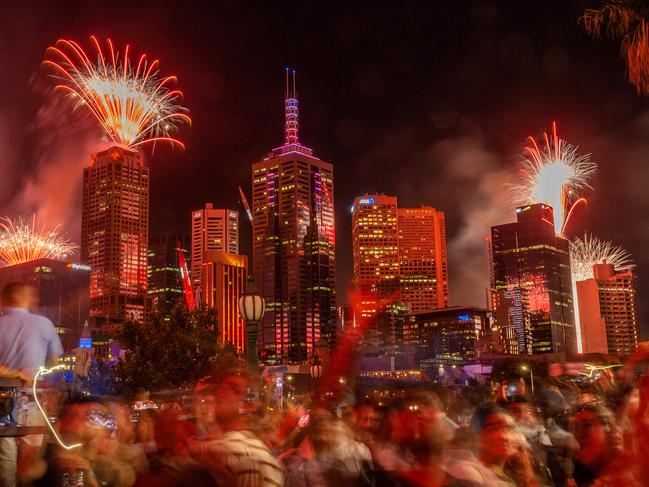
(27, 341)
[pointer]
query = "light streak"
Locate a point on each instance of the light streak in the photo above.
(132, 102)
(44, 371)
(595, 368)
(554, 174)
(23, 242)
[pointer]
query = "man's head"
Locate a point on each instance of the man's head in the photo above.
(597, 434)
(520, 408)
(226, 398)
(19, 295)
(420, 425)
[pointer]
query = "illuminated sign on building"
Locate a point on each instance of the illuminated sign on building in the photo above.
(464, 317)
(367, 201)
(78, 267)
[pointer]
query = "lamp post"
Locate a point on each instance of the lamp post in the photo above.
(525, 368)
(251, 309)
(316, 368)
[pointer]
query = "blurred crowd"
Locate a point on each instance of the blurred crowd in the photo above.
(225, 434)
(229, 431)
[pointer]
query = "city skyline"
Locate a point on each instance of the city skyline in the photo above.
(380, 149)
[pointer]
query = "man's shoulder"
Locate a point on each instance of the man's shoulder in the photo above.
(41, 321)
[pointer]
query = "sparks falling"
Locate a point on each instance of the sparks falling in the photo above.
(21, 242)
(554, 174)
(587, 251)
(134, 104)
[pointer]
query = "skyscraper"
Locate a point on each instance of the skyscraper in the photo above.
(213, 229)
(423, 269)
(293, 245)
(531, 269)
(399, 254)
(399, 257)
(114, 234)
(223, 281)
(375, 248)
(164, 277)
(608, 311)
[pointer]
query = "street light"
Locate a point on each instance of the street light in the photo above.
(251, 309)
(525, 368)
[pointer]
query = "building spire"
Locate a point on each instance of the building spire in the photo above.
(291, 109)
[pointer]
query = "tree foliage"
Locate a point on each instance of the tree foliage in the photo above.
(168, 354)
(627, 20)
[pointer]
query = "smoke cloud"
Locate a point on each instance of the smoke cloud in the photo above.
(57, 147)
(458, 174)
(482, 199)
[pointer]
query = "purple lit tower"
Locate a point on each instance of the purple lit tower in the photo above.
(293, 245)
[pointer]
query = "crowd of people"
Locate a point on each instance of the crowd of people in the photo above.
(565, 433)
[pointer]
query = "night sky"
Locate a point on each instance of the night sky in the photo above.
(428, 101)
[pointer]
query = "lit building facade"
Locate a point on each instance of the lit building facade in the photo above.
(164, 277)
(608, 311)
(62, 292)
(114, 234)
(423, 266)
(223, 281)
(375, 248)
(446, 336)
(294, 246)
(215, 230)
(400, 263)
(531, 274)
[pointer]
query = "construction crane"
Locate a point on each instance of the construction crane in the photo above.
(187, 283)
(245, 204)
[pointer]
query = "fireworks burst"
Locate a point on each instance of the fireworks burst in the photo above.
(589, 250)
(555, 175)
(133, 103)
(21, 242)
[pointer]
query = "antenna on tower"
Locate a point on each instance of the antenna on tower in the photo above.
(286, 92)
(291, 111)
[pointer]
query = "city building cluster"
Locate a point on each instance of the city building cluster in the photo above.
(534, 304)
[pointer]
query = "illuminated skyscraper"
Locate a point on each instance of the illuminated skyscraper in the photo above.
(223, 281)
(293, 245)
(375, 247)
(531, 269)
(608, 311)
(423, 269)
(114, 234)
(164, 278)
(399, 255)
(213, 229)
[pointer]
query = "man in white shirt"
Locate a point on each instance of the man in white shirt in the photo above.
(27, 342)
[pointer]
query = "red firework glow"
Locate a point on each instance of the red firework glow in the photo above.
(21, 242)
(554, 173)
(133, 103)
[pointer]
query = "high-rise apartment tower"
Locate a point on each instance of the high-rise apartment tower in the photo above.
(114, 234)
(213, 230)
(608, 311)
